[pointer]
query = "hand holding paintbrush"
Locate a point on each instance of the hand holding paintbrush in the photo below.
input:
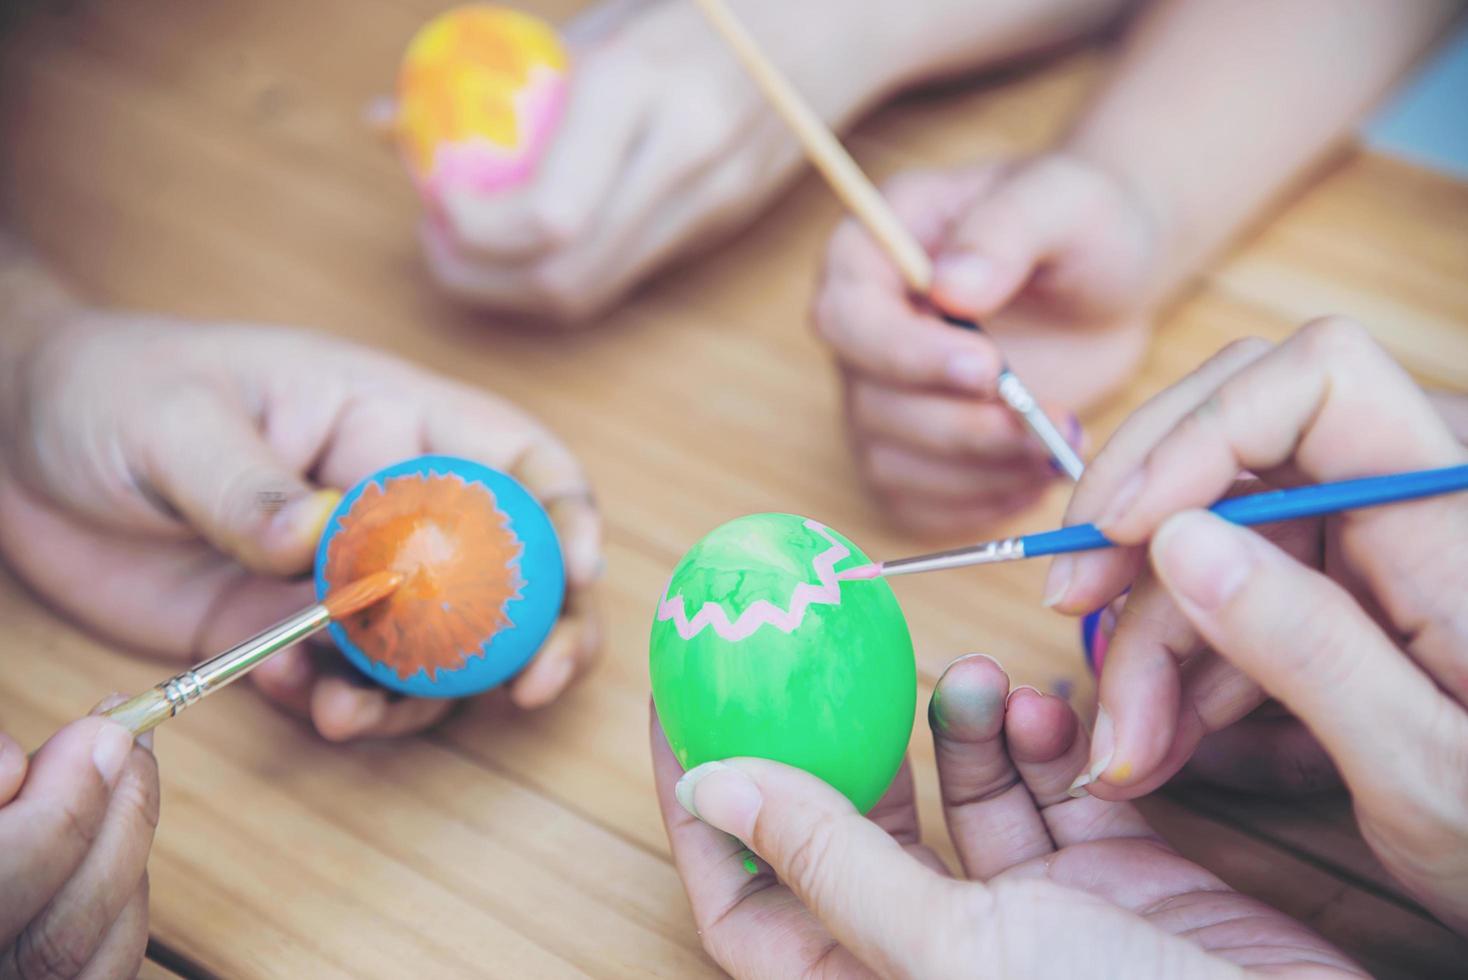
(866, 202)
(1356, 626)
(149, 499)
(1260, 508)
(153, 707)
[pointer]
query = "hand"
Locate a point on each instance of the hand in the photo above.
(160, 478)
(1056, 886)
(76, 825)
(665, 145)
(1356, 627)
(1265, 751)
(1055, 258)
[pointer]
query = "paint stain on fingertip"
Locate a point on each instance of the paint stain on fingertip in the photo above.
(965, 708)
(751, 866)
(304, 518)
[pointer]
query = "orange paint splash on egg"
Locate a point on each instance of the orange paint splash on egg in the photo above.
(460, 564)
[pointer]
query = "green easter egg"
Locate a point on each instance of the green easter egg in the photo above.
(760, 647)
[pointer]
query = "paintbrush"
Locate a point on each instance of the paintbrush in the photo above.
(153, 707)
(864, 200)
(1259, 508)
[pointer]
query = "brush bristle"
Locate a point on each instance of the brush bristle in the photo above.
(459, 555)
(362, 593)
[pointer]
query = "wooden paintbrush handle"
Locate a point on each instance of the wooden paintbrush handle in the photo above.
(826, 152)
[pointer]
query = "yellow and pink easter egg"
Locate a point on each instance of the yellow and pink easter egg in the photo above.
(480, 91)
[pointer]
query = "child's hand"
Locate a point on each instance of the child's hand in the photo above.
(166, 483)
(76, 825)
(665, 144)
(1056, 260)
(1055, 886)
(1355, 624)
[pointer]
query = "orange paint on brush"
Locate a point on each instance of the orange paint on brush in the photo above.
(459, 564)
(362, 593)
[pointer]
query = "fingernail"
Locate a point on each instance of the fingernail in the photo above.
(1122, 500)
(970, 371)
(1103, 743)
(1023, 687)
(1103, 747)
(721, 796)
(1202, 558)
(1057, 583)
(108, 703)
(963, 279)
(688, 782)
(971, 656)
(304, 519)
(974, 710)
(110, 750)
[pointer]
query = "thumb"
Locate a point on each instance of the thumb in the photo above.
(1308, 643)
(875, 898)
(997, 246)
(211, 464)
(50, 826)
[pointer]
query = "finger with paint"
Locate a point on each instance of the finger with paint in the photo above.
(166, 483)
(1359, 633)
(1057, 886)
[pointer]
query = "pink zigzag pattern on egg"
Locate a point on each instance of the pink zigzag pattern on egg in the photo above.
(763, 612)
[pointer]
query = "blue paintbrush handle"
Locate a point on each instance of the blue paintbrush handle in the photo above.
(1280, 505)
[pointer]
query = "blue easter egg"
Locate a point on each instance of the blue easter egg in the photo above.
(483, 576)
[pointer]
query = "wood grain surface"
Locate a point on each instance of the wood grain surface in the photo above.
(207, 159)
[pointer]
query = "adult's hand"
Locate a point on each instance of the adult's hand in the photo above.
(1356, 624)
(1053, 885)
(76, 825)
(166, 483)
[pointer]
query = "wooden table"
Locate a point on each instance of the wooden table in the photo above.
(207, 159)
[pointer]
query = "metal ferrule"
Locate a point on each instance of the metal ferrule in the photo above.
(151, 708)
(1014, 394)
(182, 691)
(192, 685)
(1005, 549)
